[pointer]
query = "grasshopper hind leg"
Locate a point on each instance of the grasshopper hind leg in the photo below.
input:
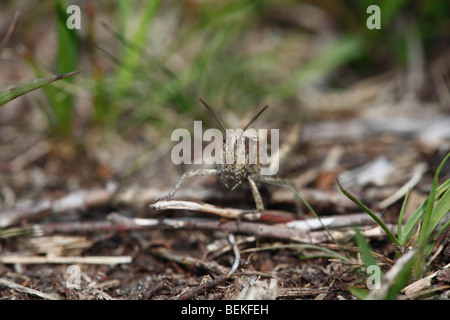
(280, 182)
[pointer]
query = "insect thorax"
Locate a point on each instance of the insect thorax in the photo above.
(239, 160)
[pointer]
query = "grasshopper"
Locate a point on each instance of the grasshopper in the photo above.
(237, 173)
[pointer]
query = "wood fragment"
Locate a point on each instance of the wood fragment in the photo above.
(332, 222)
(191, 293)
(116, 223)
(154, 289)
(228, 213)
(253, 228)
(422, 284)
(237, 255)
(83, 200)
(250, 287)
(59, 245)
(289, 293)
(23, 289)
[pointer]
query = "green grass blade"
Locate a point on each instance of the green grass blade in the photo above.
(327, 253)
(444, 227)
(67, 41)
(440, 210)
(15, 92)
(400, 217)
(412, 222)
(68, 55)
(359, 292)
(425, 230)
(315, 214)
(124, 12)
(401, 279)
(365, 249)
(370, 213)
(132, 54)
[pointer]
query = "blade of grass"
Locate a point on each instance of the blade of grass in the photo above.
(15, 92)
(124, 12)
(370, 213)
(315, 215)
(401, 280)
(412, 222)
(365, 249)
(67, 41)
(359, 293)
(327, 253)
(395, 279)
(131, 56)
(400, 217)
(444, 227)
(67, 59)
(425, 230)
(440, 210)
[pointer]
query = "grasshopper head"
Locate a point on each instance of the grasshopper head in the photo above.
(236, 167)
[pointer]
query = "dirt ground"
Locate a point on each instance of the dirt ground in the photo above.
(191, 262)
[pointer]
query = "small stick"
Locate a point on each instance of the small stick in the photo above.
(20, 288)
(117, 222)
(190, 294)
(257, 229)
(228, 213)
(333, 222)
(422, 284)
(237, 255)
(155, 288)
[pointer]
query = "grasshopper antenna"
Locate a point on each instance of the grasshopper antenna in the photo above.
(255, 117)
(213, 114)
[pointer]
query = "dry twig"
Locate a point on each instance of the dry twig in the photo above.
(190, 294)
(421, 284)
(250, 287)
(20, 288)
(237, 255)
(228, 213)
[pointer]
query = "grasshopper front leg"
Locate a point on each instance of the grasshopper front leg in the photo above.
(256, 195)
(188, 174)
